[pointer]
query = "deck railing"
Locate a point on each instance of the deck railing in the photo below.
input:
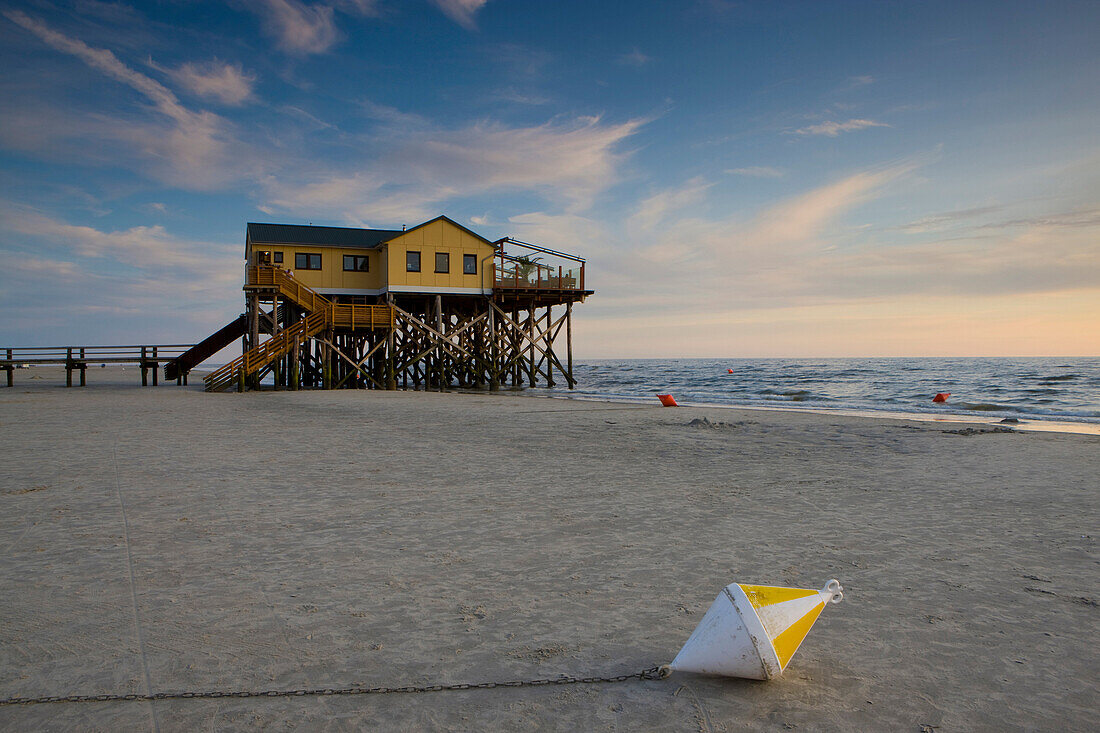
(519, 272)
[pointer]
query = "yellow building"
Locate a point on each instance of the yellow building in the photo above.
(437, 257)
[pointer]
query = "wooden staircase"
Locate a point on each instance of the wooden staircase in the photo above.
(323, 315)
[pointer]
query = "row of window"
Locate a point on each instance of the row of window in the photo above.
(442, 262)
(361, 263)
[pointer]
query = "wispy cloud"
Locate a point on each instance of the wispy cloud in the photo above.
(226, 83)
(299, 28)
(758, 171)
(148, 248)
(511, 94)
(707, 251)
(656, 208)
(191, 150)
(635, 58)
(832, 129)
(461, 11)
(1083, 218)
(422, 166)
(934, 222)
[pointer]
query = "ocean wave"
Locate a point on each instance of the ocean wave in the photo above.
(985, 407)
(793, 395)
(1024, 388)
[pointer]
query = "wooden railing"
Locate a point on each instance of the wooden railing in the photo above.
(323, 314)
(275, 347)
(77, 358)
(343, 316)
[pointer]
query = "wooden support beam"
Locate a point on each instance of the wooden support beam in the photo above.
(550, 347)
(569, 343)
(357, 365)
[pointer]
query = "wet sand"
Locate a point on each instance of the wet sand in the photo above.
(166, 539)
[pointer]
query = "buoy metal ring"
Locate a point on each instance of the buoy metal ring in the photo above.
(833, 586)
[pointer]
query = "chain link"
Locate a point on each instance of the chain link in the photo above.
(653, 673)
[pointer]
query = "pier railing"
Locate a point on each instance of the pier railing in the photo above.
(77, 358)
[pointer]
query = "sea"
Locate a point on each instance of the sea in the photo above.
(1060, 393)
(1044, 392)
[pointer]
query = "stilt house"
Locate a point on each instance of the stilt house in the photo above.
(434, 306)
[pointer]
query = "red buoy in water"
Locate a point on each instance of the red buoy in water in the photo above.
(729, 371)
(941, 397)
(667, 400)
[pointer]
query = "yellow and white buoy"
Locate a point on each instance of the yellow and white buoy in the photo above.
(752, 631)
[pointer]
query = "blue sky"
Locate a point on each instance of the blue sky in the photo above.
(745, 178)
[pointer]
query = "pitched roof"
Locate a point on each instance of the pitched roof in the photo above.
(318, 236)
(450, 221)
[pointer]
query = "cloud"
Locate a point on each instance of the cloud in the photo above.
(635, 58)
(807, 253)
(300, 29)
(759, 171)
(419, 167)
(1088, 217)
(65, 275)
(226, 83)
(768, 245)
(192, 149)
(943, 220)
(511, 94)
(801, 219)
(660, 205)
(832, 129)
(461, 11)
(148, 248)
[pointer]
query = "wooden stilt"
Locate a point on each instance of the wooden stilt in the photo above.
(531, 348)
(569, 343)
(549, 347)
(494, 353)
(440, 369)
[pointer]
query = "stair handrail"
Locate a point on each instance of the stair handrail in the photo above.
(322, 315)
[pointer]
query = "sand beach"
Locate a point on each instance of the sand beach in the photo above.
(167, 539)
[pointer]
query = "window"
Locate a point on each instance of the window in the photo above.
(356, 263)
(412, 261)
(303, 261)
(469, 264)
(278, 257)
(442, 262)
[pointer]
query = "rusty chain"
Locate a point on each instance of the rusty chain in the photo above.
(653, 673)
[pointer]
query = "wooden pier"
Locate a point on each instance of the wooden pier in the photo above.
(77, 358)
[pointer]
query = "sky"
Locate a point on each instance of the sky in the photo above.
(745, 179)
